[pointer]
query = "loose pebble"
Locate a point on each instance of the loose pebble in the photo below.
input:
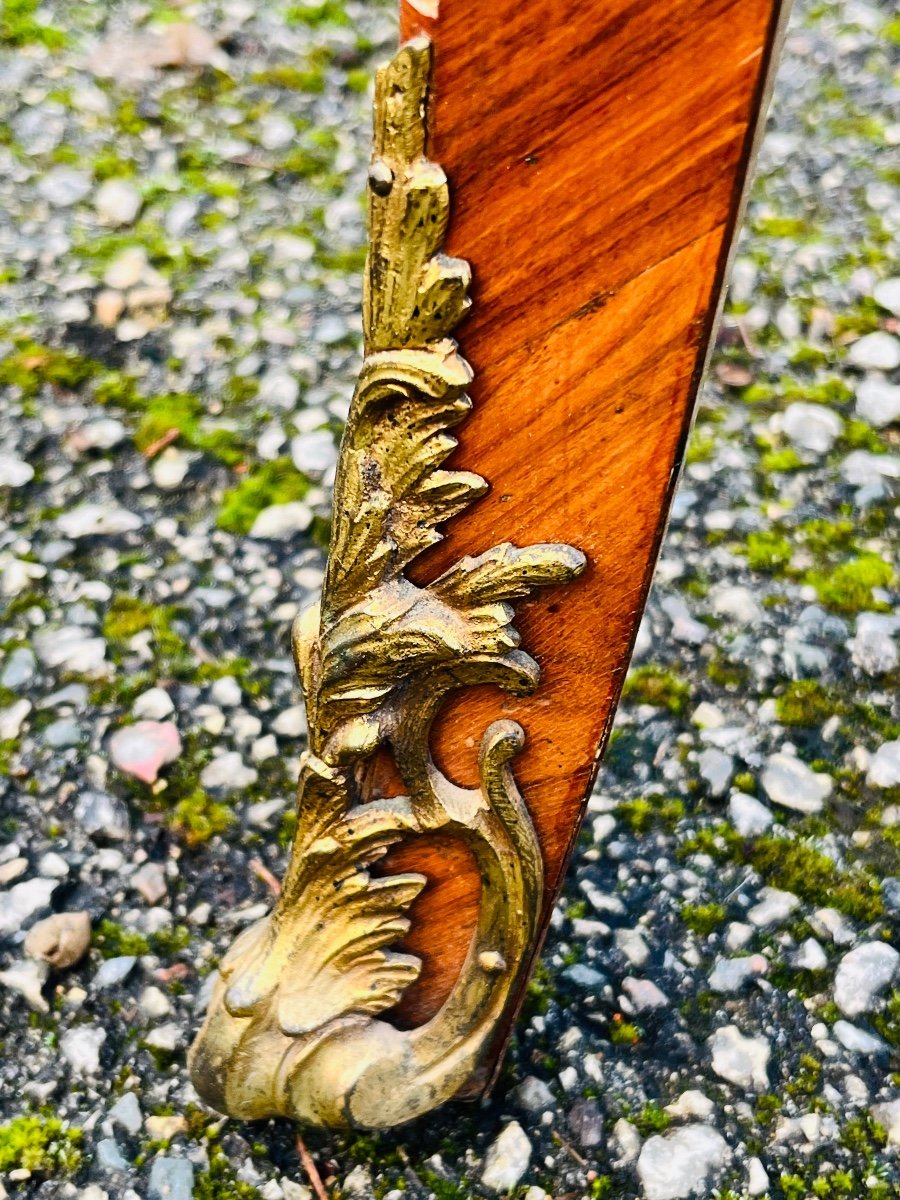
(862, 975)
(741, 1060)
(61, 940)
(507, 1159)
(143, 749)
(789, 782)
(682, 1163)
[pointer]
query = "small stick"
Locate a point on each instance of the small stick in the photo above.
(311, 1169)
(177, 970)
(161, 442)
(261, 871)
(570, 1150)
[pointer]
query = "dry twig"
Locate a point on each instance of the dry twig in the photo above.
(261, 871)
(312, 1171)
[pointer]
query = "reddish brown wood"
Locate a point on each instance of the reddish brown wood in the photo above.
(596, 157)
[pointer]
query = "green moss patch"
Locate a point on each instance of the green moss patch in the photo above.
(704, 919)
(19, 26)
(654, 812)
(40, 1144)
(31, 366)
(848, 587)
(183, 413)
(657, 687)
(277, 482)
(795, 866)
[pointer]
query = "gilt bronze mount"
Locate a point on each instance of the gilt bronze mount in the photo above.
(299, 1023)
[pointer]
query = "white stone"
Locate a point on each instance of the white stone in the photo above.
(245, 726)
(884, 769)
(169, 469)
(276, 131)
(730, 974)
(861, 468)
(878, 402)
(279, 388)
(644, 994)
(270, 442)
(833, 924)
(22, 901)
(150, 881)
(18, 574)
(716, 769)
(707, 716)
(154, 1003)
(773, 907)
(603, 827)
(810, 956)
(507, 1159)
(738, 603)
(789, 782)
(103, 815)
(749, 816)
(153, 705)
(27, 977)
(97, 520)
(737, 935)
(102, 434)
(860, 1041)
(675, 1166)
(165, 1037)
(632, 945)
(64, 186)
(888, 1115)
(53, 865)
(691, 1104)
(887, 294)
(533, 1095)
(228, 773)
(298, 1191)
(14, 472)
(627, 1141)
(131, 329)
(291, 722)
(282, 520)
(877, 351)
(740, 1060)
(127, 268)
(226, 692)
(314, 453)
(757, 1179)
(127, 1112)
(80, 1047)
(117, 201)
(685, 628)
(12, 719)
(862, 975)
(873, 648)
(812, 427)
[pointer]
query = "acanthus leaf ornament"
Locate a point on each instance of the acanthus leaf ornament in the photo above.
(297, 1023)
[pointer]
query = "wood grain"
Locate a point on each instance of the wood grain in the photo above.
(597, 156)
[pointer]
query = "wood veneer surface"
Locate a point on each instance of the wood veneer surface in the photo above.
(596, 154)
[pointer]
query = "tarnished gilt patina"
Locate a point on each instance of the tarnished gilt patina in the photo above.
(298, 1024)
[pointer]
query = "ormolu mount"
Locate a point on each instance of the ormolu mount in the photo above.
(295, 1024)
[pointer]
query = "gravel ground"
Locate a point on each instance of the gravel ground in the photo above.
(718, 1007)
